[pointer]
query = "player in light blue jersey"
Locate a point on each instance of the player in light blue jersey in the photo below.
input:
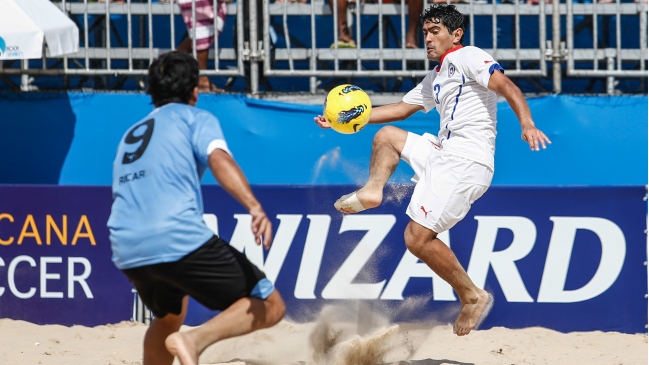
(157, 233)
(454, 168)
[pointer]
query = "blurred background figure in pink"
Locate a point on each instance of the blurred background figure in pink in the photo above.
(206, 15)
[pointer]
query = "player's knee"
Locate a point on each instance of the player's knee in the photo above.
(275, 309)
(390, 136)
(413, 243)
(385, 134)
(169, 322)
(418, 241)
(415, 247)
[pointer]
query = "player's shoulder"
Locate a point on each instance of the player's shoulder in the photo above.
(179, 108)
(431, 75)
(190, 114)
(473, 51)
(169, 111)
(146, 120)
(199, 113)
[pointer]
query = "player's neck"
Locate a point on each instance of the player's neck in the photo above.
(453, 49)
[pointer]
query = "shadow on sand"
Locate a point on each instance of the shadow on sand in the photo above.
(403, 362)
(432, 362)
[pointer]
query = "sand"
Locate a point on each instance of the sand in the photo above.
(331, 340)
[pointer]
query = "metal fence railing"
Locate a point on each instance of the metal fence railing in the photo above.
(99, 55)
(599, 16)
(302, 52)
(371, 61)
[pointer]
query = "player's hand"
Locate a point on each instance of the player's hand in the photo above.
(535, 138)
(321, 122)
(261, 227)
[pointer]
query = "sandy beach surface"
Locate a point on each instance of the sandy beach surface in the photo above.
(329, 341)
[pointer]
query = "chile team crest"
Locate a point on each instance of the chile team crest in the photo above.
(451, 70)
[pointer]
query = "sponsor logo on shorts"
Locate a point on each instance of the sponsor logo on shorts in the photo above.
(425, 211)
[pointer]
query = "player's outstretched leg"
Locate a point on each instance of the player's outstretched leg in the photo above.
(386, 152)
(476, 302)
(243, 316)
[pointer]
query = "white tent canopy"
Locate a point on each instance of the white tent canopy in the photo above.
(25, 23)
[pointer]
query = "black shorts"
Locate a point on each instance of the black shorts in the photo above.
(216, 275)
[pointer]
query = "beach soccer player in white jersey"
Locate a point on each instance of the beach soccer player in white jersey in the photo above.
(453, 169)
(157, 233)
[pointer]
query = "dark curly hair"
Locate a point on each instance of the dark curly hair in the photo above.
(448, 15)
(172, 78)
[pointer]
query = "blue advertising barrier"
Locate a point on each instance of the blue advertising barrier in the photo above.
(55, 262)
(570, 259)
(71, 138)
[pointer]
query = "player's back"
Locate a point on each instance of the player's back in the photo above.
(157, 204)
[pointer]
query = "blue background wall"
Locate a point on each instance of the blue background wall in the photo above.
(70, 139)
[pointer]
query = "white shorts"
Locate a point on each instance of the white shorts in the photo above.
(447, 185)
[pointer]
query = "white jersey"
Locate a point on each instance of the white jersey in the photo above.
(467, 108)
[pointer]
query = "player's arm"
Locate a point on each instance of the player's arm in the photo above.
(502, 85)
(227, 172)
(382, 114)
(393, 112)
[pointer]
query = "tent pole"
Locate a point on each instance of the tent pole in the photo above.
(24, 78)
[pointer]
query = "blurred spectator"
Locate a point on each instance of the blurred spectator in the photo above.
(345, 40)
(205, 16)
(415, 8)
(292, 1)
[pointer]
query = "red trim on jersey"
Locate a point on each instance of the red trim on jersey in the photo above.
(435, 144)
(441, 59)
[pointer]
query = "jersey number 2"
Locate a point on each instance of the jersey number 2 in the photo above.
(131, 138)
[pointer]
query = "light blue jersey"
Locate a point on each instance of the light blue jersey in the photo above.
(157, 203)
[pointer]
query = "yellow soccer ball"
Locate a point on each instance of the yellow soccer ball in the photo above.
(347, 108)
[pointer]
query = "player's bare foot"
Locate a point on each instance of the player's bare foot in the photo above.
(369, 198)
(358, 201)
(471, 314)
(179, 346)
